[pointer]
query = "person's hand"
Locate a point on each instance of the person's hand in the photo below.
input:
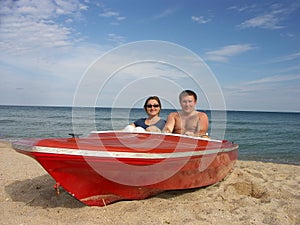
(166, 131)
(153, 129)
(189, 133)
(204, 136)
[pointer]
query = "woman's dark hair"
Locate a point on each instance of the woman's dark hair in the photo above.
(152, 98)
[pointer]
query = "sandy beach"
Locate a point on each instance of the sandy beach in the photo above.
(254, 193)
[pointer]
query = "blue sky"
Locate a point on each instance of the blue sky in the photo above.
(251, 47)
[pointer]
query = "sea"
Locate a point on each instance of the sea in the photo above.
(261, 136)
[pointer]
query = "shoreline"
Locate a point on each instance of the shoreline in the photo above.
(254, 193)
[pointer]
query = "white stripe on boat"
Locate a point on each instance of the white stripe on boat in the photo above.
(111, 154)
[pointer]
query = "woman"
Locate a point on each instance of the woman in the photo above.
(153, 123)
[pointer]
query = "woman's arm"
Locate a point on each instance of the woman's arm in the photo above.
(170, 124)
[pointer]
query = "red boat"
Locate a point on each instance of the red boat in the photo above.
(109, 166)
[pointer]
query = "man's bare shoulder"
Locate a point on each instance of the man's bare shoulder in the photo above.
(202, 116)
(201, 113)
(173, 114)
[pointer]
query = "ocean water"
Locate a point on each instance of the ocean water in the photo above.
(262, 136)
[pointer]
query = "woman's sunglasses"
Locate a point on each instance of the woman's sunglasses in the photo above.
(150, 106)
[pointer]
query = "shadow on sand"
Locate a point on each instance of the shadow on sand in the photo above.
(40, 191)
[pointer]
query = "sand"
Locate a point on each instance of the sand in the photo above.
(254, 193)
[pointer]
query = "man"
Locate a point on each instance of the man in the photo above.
(188, 121)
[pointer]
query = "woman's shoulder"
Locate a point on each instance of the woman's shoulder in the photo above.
(139, 122)
(161, 120)
(141, 119)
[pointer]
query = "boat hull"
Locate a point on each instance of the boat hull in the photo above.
(111, 166)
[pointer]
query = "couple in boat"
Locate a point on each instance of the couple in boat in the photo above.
(188, 121)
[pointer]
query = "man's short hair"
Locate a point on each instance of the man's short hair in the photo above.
(187, 93)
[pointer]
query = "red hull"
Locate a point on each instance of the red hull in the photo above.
(110, 166)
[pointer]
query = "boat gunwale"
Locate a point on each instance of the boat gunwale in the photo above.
(158, 133)
(112, 154)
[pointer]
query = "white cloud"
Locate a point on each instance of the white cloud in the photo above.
(242, 8)
(267, 21)
(274, 79)
(200, 19)
(29, 26)
(116, 39)
(276, 13)
(41, 57)
(288, 57)
(108, 13)
(222, 55)
(268, 93)
(135, 70)
(165, 13)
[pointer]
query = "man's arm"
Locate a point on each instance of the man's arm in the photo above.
(203, 122)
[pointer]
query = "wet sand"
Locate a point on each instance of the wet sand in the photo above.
(254, 193)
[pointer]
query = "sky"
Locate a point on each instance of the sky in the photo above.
(237, 55)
